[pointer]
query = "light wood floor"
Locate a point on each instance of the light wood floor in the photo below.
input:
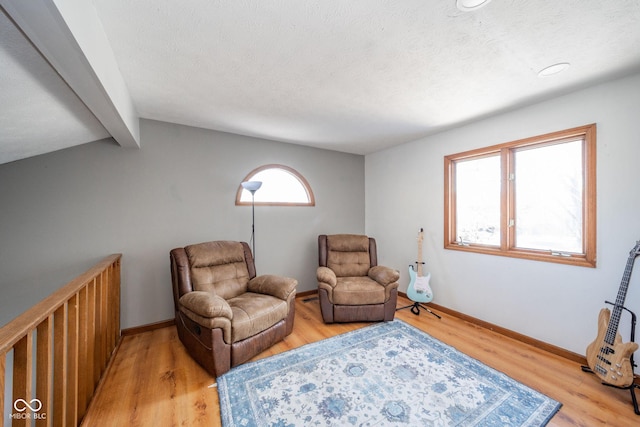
(153, 382)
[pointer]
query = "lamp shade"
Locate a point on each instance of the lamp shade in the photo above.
(252, 186)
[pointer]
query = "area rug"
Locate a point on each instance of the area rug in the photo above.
(386, 374)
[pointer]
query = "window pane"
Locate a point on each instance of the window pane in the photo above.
(547, 198)
(478, 201)
(548, 193)
(278, 186)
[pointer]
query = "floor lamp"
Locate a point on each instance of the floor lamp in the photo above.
(252, 187)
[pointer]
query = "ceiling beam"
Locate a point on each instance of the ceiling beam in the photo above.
(70, 36)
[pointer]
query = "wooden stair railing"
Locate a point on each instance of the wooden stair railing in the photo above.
(61, 346)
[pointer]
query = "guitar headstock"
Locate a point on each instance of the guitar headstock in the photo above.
(636, 249)
(420, 235)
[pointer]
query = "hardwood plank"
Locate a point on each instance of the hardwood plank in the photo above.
(152, 380)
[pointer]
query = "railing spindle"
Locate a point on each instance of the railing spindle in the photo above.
(83, 394)
(60, 367)
(3, 362)
(91, 336)
(44, 370)
(76, 330)
(22, 375)
(72, 361)
(97, 366)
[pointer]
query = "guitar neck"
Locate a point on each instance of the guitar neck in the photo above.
(420, 260)
(614, 321)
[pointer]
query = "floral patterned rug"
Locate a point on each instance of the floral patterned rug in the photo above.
(385, 374)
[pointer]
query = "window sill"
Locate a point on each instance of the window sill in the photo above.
(544, 256)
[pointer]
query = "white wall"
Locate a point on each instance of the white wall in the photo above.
(62, 211)
(554, 303)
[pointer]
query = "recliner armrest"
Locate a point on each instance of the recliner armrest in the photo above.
(277, 286)
(384, 275)
(326, 275)
(206, 304)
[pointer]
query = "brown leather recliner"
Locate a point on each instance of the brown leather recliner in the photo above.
(352, 287)
(225, 314)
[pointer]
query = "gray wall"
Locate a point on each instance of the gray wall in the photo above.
(555, 303)
(62, 211)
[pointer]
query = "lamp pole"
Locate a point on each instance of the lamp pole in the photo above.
(252, 187)
(253, 224)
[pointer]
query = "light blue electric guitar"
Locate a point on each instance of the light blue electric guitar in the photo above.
(419, 289)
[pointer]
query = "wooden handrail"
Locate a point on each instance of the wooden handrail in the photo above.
(72, 334)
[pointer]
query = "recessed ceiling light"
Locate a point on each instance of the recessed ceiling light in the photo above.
(469, 5)
(553, 69)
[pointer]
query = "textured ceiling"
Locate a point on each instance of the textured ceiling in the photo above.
(354, 76)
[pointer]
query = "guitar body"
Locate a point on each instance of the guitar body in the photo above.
(419, 289)
(608, 357)
(611, 362)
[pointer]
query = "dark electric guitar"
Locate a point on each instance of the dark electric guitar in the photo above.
(608, 357)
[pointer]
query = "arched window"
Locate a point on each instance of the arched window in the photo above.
(281, 186)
